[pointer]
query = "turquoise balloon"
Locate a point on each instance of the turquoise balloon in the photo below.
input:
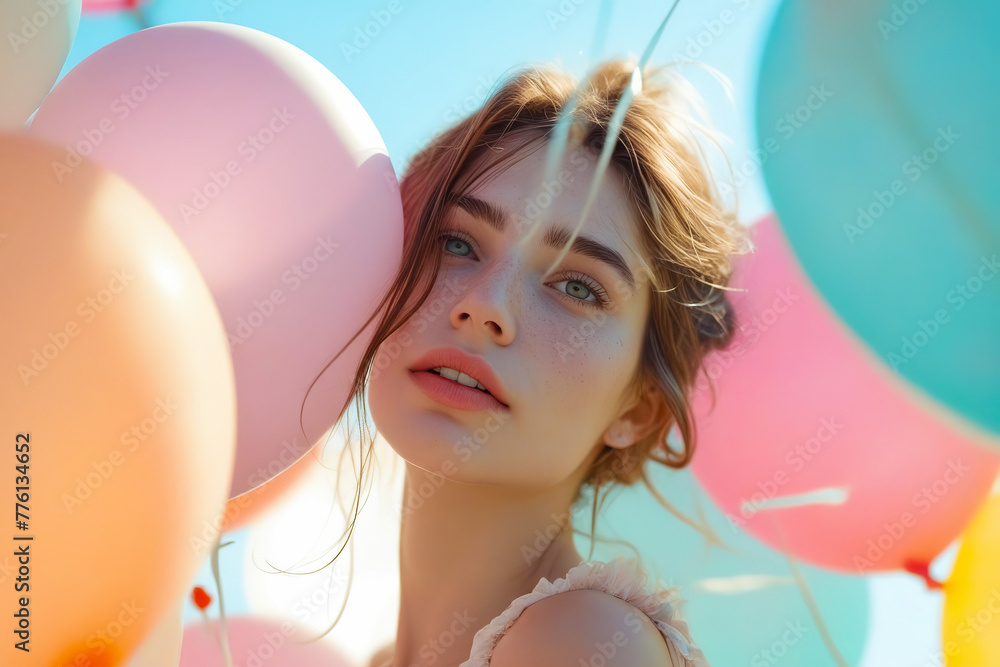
(758, 627)
(878, 127)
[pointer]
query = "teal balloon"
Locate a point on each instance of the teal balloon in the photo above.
(767, 622)
(878, 125)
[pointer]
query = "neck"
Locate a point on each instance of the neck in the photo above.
(467, 551)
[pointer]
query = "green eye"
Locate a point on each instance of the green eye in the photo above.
(589, 284)
(448, 238)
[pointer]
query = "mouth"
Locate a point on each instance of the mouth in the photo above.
(454, 394)
(482, 389)
(457, 370)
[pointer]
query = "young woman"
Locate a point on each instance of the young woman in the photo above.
(522, 362)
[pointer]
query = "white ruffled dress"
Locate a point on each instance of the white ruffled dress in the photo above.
(622, 577)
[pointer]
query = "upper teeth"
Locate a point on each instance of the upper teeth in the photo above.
(459, 377)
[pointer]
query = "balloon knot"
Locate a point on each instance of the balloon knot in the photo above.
(201, 598)
(922, 569)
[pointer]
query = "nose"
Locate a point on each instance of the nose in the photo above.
(487, 304)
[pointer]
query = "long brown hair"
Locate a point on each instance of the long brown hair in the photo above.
(688, 235)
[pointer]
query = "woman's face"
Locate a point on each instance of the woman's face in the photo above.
(563, 348)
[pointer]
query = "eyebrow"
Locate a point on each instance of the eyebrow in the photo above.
(498, 218)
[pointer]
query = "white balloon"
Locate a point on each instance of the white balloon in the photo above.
(38, 35)
(905, 617)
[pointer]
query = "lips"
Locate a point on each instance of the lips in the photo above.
(471, 365)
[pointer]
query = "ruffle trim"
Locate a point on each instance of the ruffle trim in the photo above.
(622, 577)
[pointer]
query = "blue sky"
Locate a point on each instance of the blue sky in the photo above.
(418, 66)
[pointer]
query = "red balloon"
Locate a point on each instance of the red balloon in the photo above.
(110, 5)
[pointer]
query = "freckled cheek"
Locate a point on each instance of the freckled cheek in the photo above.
(611, 360)
(579, 377)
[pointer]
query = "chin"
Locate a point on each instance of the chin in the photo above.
(419, 436)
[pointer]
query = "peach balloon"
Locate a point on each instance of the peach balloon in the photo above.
(278, 183)
(119, 411)
(812, 441)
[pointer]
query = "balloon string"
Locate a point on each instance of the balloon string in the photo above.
(224, 637)
(201, 600)
(141, 16)
(808, 598)
(207, 626)
(601, 27)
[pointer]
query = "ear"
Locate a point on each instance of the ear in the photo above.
(645, 413)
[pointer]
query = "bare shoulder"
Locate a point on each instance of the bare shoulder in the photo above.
(589, 625)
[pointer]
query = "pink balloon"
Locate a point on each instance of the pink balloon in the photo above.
(258, 641)
(277, 182)
(802, 408)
